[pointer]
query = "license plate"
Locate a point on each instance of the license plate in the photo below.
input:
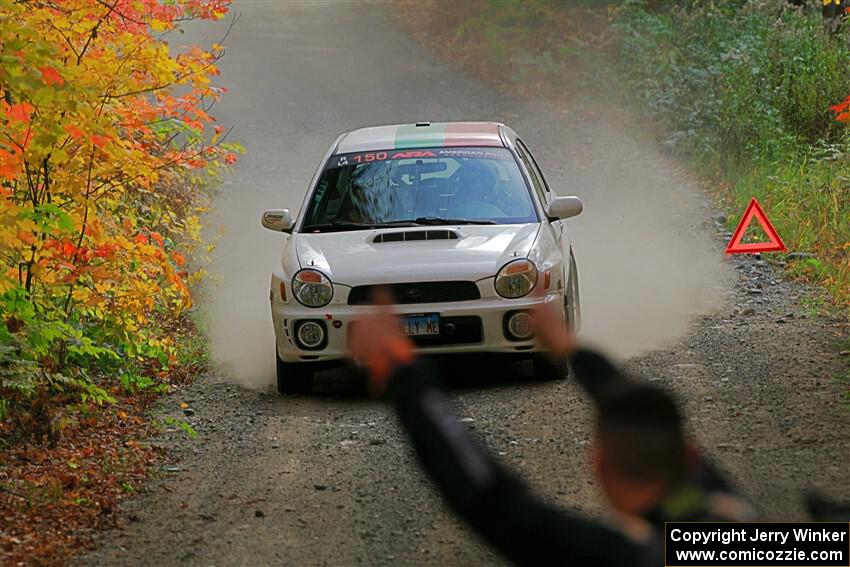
(416, 325)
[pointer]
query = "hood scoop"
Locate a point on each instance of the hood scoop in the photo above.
(414, 235)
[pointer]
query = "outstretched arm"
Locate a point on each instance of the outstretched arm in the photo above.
(594, 372)
(484, 494)
(487, 496)
(591, 370)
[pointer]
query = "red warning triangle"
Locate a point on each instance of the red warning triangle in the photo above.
(775, 244)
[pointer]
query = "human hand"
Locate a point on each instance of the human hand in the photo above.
(549, 329)
(376, 340)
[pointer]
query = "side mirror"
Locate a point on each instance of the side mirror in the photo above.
(564, 208)
(279, 220)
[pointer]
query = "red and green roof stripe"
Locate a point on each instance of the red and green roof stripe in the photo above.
(405, 136)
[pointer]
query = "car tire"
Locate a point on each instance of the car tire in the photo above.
(294, 377)
(547, 369)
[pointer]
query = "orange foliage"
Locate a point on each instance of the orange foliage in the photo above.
(107, 143)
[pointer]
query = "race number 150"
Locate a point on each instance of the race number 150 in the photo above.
(376, 156)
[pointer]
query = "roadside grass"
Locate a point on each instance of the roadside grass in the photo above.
(744, 91)
(809, 205)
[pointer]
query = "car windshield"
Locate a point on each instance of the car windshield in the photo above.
(421, 186)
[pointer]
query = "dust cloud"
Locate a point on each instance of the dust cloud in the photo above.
(648, 261)
(235, 304)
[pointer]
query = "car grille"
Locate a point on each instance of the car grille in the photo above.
(453, 331)
(418, 292)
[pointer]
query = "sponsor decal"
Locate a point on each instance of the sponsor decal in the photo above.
(362, 158)
(413, 154)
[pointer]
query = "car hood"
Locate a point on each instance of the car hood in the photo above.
(361, 257)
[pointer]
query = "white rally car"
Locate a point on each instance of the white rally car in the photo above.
(455, 219)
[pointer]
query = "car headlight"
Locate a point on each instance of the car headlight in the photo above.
(312, 288)
(516, 279)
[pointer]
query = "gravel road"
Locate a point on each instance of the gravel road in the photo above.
(328, 479)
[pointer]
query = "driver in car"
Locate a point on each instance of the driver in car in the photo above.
(473, 191)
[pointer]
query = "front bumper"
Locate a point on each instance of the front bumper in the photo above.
(337, 318)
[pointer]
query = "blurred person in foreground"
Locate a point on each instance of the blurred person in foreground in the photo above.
(649, 471)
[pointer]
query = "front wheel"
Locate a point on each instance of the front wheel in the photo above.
(294, 377)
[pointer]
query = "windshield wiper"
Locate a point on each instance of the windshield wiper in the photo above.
(441, 221)
(337, 226)
(340, 226)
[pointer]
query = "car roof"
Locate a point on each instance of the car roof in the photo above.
(421, 135)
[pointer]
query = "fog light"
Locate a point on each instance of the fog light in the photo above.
(519, 326)
(310, 335)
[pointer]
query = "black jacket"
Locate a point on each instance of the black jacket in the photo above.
(503, 511)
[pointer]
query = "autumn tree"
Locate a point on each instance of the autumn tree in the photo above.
(107, 146)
